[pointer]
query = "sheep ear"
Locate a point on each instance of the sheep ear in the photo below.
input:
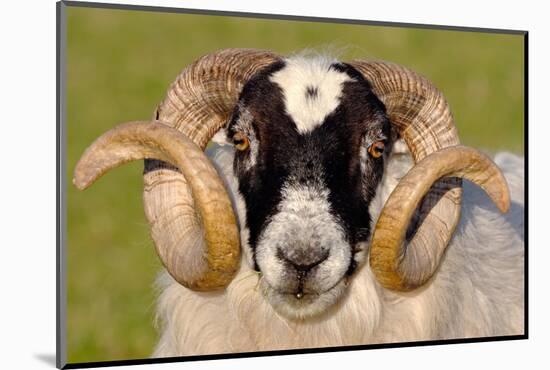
(220, 137)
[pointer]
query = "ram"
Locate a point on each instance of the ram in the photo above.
(335, 216)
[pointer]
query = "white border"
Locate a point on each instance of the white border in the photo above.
(28, 181)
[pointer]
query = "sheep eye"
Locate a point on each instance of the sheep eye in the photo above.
(240, 141)
(376, 149)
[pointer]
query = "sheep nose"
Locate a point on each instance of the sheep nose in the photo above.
(302, 261)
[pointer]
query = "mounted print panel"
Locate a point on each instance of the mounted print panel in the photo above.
(244, 185)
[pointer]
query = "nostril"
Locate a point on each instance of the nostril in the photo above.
(302, 262)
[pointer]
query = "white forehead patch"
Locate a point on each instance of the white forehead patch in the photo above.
(311, 89)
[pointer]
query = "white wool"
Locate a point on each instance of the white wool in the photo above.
(478, 290)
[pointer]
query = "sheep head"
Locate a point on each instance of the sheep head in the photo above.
(311, 140)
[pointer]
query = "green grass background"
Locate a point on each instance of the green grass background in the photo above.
(119, 65)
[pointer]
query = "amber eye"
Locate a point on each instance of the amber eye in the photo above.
(376, 149)
(240, 141)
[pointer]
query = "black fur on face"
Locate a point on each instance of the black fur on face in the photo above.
(333, 156)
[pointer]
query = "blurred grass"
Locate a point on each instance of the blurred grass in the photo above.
(120, 64)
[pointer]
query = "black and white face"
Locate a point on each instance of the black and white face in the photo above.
(311, 140)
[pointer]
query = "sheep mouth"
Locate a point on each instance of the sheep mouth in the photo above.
(301, 304)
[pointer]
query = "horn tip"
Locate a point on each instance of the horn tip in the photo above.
(80, 182)
(504, 204)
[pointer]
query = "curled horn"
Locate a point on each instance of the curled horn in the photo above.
(192, 223)
(420, 216)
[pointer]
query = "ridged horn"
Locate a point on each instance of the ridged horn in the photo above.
(139, 140)
(406, 249)
(198, 103)
(395, 265)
